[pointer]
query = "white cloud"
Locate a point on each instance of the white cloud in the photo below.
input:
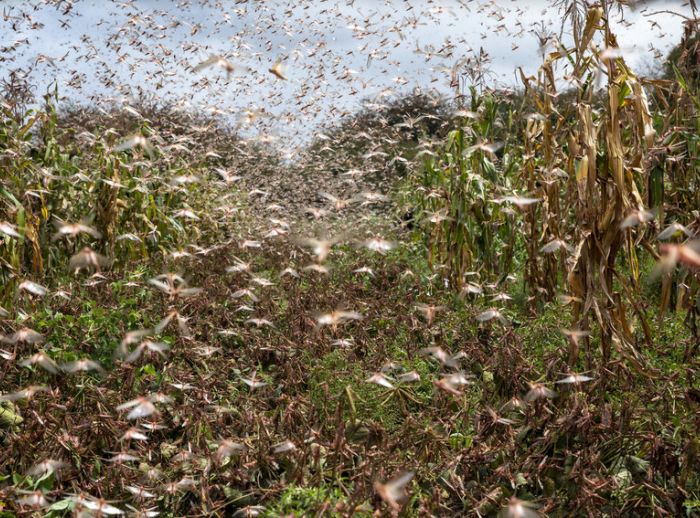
(149, 45)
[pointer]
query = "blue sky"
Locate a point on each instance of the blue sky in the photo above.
(335, 52)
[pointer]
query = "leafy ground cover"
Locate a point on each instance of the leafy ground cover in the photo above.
(282, 417)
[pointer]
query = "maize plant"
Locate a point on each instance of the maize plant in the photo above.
(600, 168)
(131, 195)
(468, 230)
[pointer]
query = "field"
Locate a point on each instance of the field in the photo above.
(483, 304)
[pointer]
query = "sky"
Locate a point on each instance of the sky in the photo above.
(334, 53)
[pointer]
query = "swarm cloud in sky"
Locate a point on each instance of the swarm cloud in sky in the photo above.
(336, 52)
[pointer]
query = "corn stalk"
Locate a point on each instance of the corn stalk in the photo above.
(607, 150)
